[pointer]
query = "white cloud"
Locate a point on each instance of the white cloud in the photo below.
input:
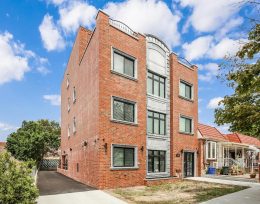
(210, 70)
(197, 48)
(225, 47)
(224, 129)
(205, 47)
(55, 2)
(14, 57)
(210, 16)
(214, 103)
(6, 127)
(43, 70)
(54, 99)
(147, 16)
(76, 13)
(50, 34)
(231, 24)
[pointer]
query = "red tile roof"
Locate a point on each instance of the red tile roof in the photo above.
(2, 146)
(233, 138)
(244, 139)
(210, 132)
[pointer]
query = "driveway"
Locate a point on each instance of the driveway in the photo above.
(51, 183)
(58, 189)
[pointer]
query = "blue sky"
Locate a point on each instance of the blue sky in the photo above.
(36, 39)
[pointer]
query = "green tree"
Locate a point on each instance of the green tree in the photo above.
(242, 109)
(16, 182)
(34, 139)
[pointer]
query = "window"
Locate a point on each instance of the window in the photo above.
(77, 167)
(123, 110)
(211, 148)
(74, 94)
(156, 85)
(68, 130)
(123, 156)
(68, 82)
(69, 104)
(185, 125)
(156, 161)
(156, 123)
(185, 90)
(123, 64)
(65, 162)
(74, 125)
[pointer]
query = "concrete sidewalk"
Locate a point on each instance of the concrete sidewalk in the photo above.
(249, 196)
(90, 197)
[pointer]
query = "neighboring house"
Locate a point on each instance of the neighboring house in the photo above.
(221, 150)
(2, 146)
(129, 109)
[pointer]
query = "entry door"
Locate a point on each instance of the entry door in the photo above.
(188, 164)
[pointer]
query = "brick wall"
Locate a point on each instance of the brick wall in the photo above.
(84, 77)
(179, 141)
(114, 85)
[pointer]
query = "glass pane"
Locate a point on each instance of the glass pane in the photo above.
(156, 88)
(188, 92)
(156, 126)
(150, 113)
(182, 89)
(162, 127)
(150, 86)
(209, 150)
(118, 112)
(150, 125)
(213, 150)
(187, 125)
(156, 153)
(129, 157)
(156, 164)
(182, 124)
(129, 67)
(150, 163)
(129, 112)
(118, 63)
(162, 90)
(162, 161)
(118, 157)
(156, 115)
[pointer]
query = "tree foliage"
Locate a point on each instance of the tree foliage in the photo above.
(242, 109)
(34, 139)
(16, 182)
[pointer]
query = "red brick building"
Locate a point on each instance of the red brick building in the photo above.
(129, 109)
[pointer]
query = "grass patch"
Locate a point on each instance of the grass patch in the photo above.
(183, 192)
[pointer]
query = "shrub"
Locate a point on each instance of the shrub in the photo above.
(16, 182)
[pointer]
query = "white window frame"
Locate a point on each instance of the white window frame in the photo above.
(211, 150)
(74, 125)
(128, 56)
(192, 124)
(127, 101)
(192, 89)
(125, 146)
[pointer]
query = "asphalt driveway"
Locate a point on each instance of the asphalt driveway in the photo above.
(51, 183)
(58, 189)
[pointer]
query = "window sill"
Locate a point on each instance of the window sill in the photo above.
(186, 133)
(124, 168)
(123, 122)
(211, 158)
(187, 99)
(157, 136)
(123, 75)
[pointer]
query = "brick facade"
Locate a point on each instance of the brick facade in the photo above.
(89, 149)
